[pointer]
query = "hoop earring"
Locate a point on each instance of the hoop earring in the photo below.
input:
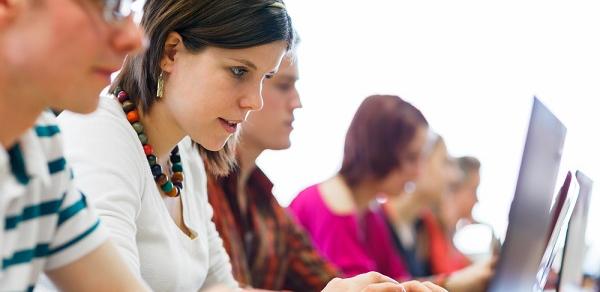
(160, 86)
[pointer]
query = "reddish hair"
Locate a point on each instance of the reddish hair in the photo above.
(380, 131)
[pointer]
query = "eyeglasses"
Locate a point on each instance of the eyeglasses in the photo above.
(116, 11)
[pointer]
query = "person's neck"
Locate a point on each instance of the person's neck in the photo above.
(363, 194)
(18, 111)
(162, 130)
(247, 154)
(407, 208)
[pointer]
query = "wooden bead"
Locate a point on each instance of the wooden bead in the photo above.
(177, 167)
(128, 106)
(177, 177)
(161, 179)
(175, 158)
(151, 159)
(138, 127)
(174, 192)
(179, 185)
(167, 187)
(122, 96)
(133, 116)
(143, 138)
(156, 170)
(148, 149)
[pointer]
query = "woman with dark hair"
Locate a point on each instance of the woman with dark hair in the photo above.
(136, 158)
(381, 154)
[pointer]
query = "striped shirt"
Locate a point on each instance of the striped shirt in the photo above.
(45, 223)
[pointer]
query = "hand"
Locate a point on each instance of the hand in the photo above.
(375, 282)
(474, 278)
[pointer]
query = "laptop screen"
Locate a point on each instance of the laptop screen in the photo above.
(529, 217)
(565, 205)
(571, 270)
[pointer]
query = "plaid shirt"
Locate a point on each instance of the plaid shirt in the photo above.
(268, 249)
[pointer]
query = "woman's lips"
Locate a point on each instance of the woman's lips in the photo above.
(229, 126)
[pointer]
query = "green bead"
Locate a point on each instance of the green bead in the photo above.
(175, 158)
(137, 126)
(117, 90)
(167, 187)
(128, 106)
(177, 167)
(143, 138)
(151, 159)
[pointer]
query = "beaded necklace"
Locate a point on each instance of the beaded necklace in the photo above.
(172, 187)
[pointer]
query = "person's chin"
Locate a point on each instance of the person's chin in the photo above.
(214, 145)
(213, 148)
(282, 145)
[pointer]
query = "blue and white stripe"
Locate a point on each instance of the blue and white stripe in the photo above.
(46, 223)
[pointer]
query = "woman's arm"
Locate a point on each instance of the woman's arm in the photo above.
(100, 270)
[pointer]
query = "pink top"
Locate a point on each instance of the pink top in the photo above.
(355, 246)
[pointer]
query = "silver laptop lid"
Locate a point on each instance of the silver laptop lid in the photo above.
(529, 217)
(571, 274)
(563, 212)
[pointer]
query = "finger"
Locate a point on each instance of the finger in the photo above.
(415, 286)
(434, 287)
(374, 277)
(384, 287)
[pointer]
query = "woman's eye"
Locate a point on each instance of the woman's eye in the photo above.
(269, 76)
(238, 72)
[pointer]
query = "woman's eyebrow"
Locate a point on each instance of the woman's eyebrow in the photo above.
(245, 62)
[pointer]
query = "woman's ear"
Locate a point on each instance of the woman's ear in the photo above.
(173, 45)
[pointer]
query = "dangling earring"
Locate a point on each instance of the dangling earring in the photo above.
(160, 86)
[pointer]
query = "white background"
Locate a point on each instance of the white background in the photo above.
(472, 67)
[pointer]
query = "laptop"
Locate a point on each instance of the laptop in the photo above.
(562, 212)
(571, 274)
(529, 217)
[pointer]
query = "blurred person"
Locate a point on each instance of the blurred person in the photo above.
(412, 216)
(382, 152)
(463, 195)
(55, 54)
(417, 221)
(268, 250)
(448, 208)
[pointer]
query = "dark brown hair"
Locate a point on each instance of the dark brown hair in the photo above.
(230, 24)
(468, 164)
(380, 131)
